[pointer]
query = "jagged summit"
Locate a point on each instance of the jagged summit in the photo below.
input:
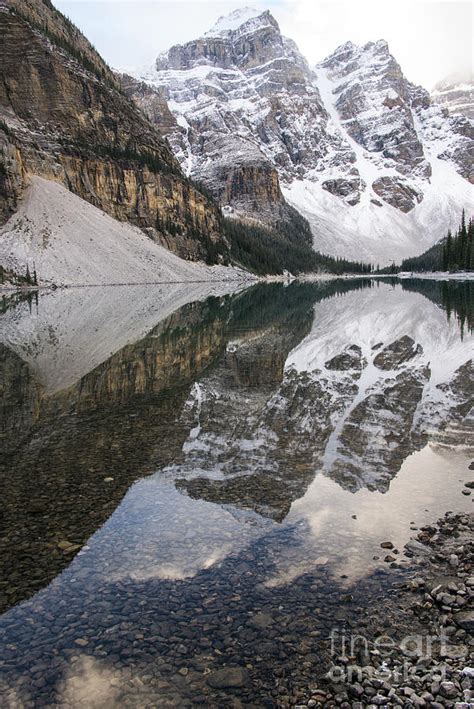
(245, 38)
(245, 18)
(349, 48)
(379, 171)
(381, 45)
(349, 52)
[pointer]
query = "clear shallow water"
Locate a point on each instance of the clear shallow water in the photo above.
(203, 487)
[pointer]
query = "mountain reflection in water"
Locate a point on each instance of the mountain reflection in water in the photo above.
(281, 432)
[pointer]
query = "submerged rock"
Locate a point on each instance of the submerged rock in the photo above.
(229, 677)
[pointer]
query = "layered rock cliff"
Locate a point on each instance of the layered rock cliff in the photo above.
(378, 170)
(65, 118)
(66, 241)
(220, 78)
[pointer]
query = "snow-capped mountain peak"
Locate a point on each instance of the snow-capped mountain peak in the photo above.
(241, 19)
(378, 170)
(460, 78)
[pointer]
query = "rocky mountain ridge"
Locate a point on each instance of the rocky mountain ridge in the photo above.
(65, 118)
(376, 168)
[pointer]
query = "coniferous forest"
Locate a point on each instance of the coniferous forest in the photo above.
(453, 253)
(271, 252)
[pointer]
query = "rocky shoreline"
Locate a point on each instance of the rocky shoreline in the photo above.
(433, 666)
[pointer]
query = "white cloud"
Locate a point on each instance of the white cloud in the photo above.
(429, 39)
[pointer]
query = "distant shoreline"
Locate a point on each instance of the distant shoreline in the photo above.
(251, 280)
(427, 275)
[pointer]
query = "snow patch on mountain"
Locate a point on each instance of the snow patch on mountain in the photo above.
(381, 233)
(367, 163)
(353, 82)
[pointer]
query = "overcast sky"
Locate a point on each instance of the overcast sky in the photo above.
(429, 39)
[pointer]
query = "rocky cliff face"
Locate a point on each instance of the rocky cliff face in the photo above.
(65, 118)
(379, 171)
(243, 183)
(239, 87)
(455, 93)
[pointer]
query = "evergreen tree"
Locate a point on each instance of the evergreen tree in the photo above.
(469, 247)
(449, 250)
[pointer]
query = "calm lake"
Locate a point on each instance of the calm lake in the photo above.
(193, 480)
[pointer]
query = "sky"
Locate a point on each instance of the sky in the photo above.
(430, 39)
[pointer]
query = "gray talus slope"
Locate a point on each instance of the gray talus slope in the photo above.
(70, 242)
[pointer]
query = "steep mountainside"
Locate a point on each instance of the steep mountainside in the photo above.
(65, 118)
(378, 170)
(70, 242)
(456, 93)
(231, 93)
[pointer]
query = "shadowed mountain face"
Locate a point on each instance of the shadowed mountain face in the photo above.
(240, 399)
(64, 118)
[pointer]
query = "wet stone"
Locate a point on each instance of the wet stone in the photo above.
(82, 642)
(465, 620)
